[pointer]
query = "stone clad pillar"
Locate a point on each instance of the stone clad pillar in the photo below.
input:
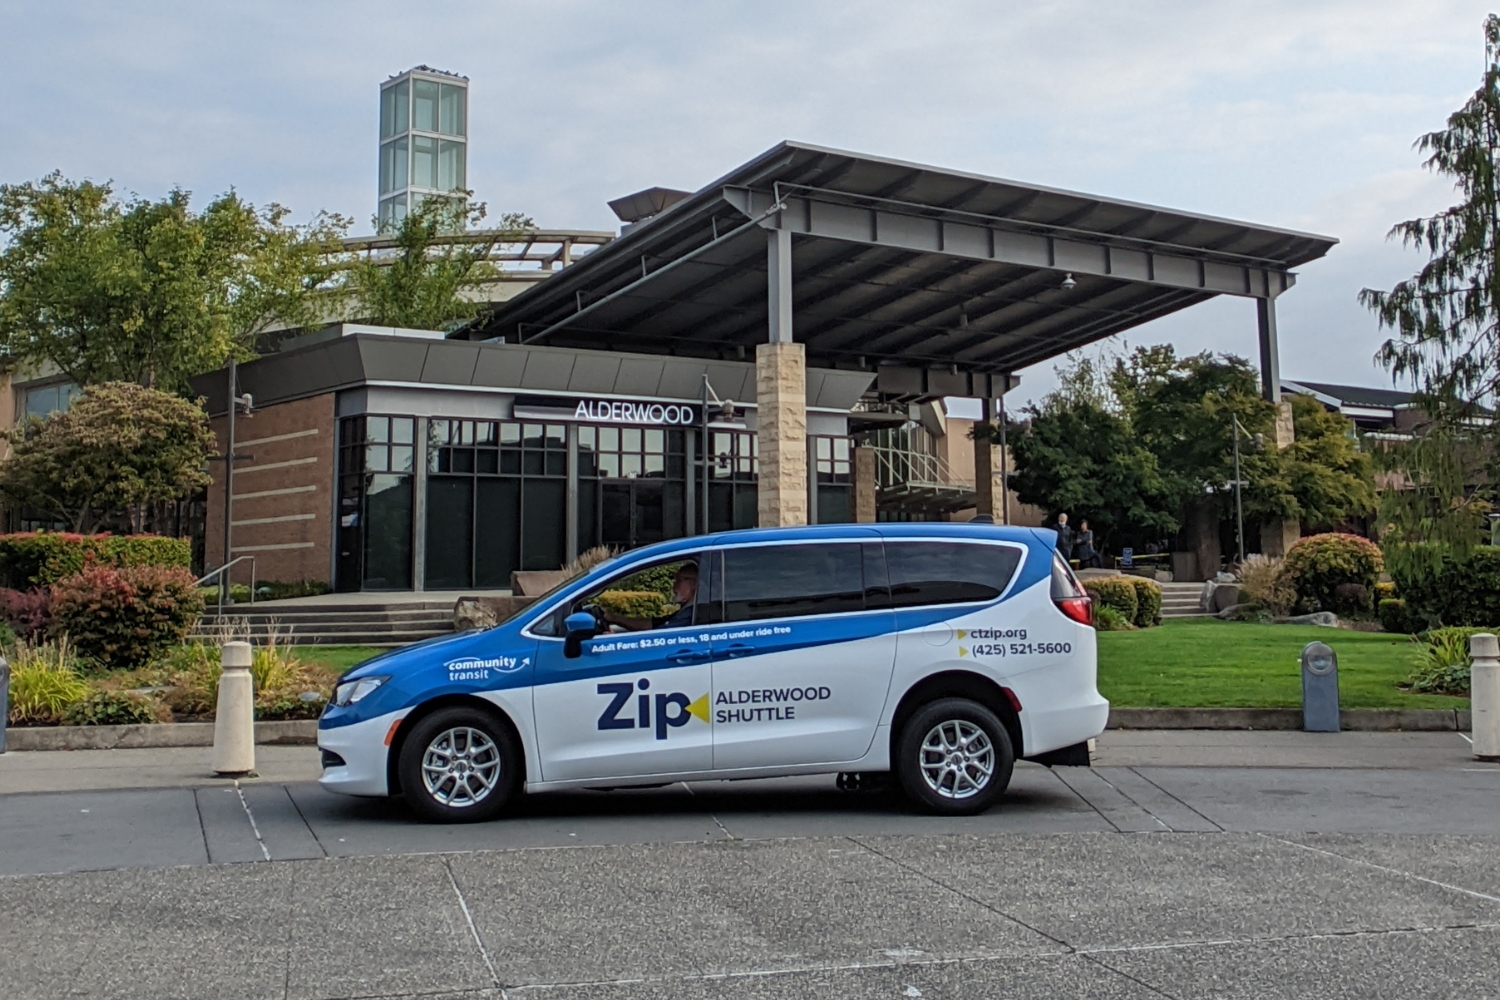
(984, 466)
(781, 425)
(864, 484)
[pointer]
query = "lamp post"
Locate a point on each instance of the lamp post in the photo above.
(1239, 507)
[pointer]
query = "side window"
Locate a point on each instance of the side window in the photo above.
(646, 593)
(783, 581)
(948, 572)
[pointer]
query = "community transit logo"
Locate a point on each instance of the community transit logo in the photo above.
(474, 668)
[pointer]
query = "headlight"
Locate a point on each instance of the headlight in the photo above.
(349, 692)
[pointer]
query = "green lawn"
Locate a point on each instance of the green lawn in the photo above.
(1203, 662)
(336, 658)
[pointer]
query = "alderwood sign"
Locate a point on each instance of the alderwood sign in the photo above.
(611, 411)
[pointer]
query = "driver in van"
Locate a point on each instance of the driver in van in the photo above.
(684, 592)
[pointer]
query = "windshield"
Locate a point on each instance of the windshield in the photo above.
(530, 607)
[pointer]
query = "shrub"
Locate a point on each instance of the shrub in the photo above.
(635, 603)
(44, 682)
(1265, 582)
(1394, 617)
(40, 558)
(588, 559)
(1445, 664)
(27, 612)
(1108, 619)
(125, 617)
(1385, 590)
(1147, 601)
(275, 590)
(1319, 564)
(656, 578)
(1441, 586)
(7, 635)
(1114, 592)
(116, 708)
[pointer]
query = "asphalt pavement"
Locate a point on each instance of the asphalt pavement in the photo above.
(1184, 865)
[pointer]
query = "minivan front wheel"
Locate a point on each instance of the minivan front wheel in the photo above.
(459, 765)
(954, 757)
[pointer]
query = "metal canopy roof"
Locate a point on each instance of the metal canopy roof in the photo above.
(934, 278)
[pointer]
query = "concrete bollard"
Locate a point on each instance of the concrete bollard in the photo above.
(234, 722)
(4, 699)
(1484, 695)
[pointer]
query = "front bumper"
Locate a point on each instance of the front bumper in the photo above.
(364, 752)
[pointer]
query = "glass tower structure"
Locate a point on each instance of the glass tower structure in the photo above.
(424, 145)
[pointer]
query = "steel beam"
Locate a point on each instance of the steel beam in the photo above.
(904, 227)
(779, 284)
(1270, 357)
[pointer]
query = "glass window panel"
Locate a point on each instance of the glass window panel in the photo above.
(630, 439)
(655, 464)
(532, 435)
(510, 463)
(630, 466)
(948, 572)
(824, 448)
(656, 440)
(393, 165)
(485, 433)
(378, 429)
(531, 463)
(466, 432)
(585, 437)
(841, 449)
(488, 462)
(497, 532)
(792, 580)
(609, 439)
(392, 211)
(402, 106)
(557, 436)
(609, 465)
(424, 105)
(463, 460)
(403, 430)
(450, 526)
(377, 458)
(451, 166)
(451, 110)
(557, 463)
(388, 533)
(423, 162)
(387, 112)
(510, 433)
(401, 458)
(543, 534)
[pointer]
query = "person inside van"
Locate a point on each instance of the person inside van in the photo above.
(684, 592)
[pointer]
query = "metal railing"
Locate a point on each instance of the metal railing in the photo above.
(223, 583)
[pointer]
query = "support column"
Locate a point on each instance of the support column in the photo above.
(779, 284)
(1275, 536)
(1270, 356)
(418, 508)
(864, 484)
(984, 464)
(781, 425)
(570, 500)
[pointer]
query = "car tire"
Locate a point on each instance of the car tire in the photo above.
(954, 757)
(460, 765)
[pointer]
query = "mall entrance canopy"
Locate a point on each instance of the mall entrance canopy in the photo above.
(939, 282)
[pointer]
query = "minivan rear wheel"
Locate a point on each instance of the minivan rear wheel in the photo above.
(459, 765)
(954, 757)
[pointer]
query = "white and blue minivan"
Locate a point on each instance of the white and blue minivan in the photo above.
(938, 652)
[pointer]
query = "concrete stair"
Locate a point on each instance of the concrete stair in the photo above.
(366, 623)
(1180, 600)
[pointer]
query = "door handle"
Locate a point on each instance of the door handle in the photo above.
(738, 649)
(688, 656)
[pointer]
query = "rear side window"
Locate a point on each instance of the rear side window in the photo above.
(784, 581)
(948, 572)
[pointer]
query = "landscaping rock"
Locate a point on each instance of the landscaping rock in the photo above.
(1327, 619)
(485, 611)
(1219, 595)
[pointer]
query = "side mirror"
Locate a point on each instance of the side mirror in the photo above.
(579, 626)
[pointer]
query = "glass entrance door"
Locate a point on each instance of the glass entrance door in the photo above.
(632, 486)
(631, 512)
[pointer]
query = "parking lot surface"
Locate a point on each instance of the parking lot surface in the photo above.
(1165, 871)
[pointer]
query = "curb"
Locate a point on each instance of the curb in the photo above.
(1369, 720)
(173, 734)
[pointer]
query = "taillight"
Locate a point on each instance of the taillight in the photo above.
(1080, 609)
(1068, 594)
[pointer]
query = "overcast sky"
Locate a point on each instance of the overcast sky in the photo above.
(1296, 114)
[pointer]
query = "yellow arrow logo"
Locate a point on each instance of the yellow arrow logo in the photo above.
(962, 633)
(699, 708)
(962, 651)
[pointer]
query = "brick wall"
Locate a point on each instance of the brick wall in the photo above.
(282, 501)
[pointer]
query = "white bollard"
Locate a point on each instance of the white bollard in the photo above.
(1484, 695)
(234, 722)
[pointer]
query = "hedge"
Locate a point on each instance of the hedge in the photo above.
(1460, 590)
(125, 617)
(40, 558)
(1395, 617)
(1147, 601)
(645, 604)
(1334, 572)
(1115, 592)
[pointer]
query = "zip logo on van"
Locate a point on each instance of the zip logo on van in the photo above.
(672, 711)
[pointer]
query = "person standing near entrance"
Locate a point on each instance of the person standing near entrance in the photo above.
(1064, 536)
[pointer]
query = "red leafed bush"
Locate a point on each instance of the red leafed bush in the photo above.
(27, 612)
(125, 617)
